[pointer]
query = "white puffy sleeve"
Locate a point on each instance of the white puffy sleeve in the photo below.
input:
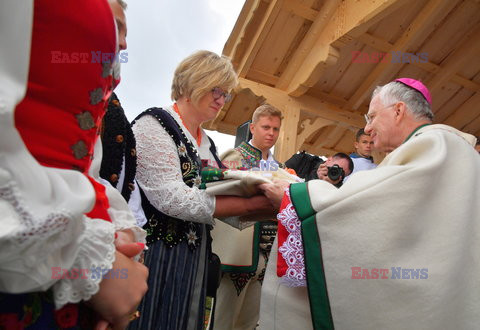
(160, 177)
(119, 211)
(43, 226)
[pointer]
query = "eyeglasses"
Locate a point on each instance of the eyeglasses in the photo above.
(369, 118)
(217, 93)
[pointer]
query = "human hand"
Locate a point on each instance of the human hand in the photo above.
(322, 173)
(125, 236)
(274, 191)
(102, 325)
(260, 205)
(118, 298)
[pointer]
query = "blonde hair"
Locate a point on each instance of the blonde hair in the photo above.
(266, 110)
(200, 72)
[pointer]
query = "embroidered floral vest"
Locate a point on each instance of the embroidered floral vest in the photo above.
(251, 156)
(160, 226)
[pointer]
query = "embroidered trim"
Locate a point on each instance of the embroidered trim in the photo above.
(251, 155)
(292, 249)
(52, 224)
(240, 280)
(33, 235)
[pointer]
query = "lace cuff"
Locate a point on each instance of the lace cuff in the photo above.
(96, 254)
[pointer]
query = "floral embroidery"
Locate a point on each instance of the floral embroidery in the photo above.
(96, 96)
(191, 237)
(79, 149)
(37, 311)
(67, 316)
(85, 120)
(32, 310)
(182, 150)
(240, 280)
(169, 230)
(261, 276)
(292, 248)
(10, 321)
(251, 155)
(197, 181)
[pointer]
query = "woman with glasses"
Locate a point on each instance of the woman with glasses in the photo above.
(172, 148)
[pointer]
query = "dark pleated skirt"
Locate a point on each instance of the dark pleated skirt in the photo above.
(175, 299)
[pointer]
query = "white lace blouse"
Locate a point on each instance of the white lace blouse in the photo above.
(159, 173)
(43, 223)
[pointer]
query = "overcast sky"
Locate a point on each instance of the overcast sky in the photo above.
(161, 33)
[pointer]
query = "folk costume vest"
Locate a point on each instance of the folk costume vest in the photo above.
(119, 146)
(160, 226)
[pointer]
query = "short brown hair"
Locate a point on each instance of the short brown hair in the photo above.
(200, 72)
(360, 132)
(266, 110)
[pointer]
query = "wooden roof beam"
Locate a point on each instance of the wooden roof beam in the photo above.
(320, 151)
(240, 27)
(287, 139)
(312, 105)
(226, 128)
(266, 24)
(468, 48)
(300, 10)
(310, 127)
(385, 47)
(465, 114)
(329, 111)
(298, 60)
(332, 137)
(264, 77)
(421, 27)
(472, 127)
(334, 20)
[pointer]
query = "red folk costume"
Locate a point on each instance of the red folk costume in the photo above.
(56, 217)
(68, 98)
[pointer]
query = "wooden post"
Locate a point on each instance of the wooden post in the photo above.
(286, 144)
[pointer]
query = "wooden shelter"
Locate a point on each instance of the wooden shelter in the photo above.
(319, 60)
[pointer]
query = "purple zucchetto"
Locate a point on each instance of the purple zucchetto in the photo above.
(417, 85)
